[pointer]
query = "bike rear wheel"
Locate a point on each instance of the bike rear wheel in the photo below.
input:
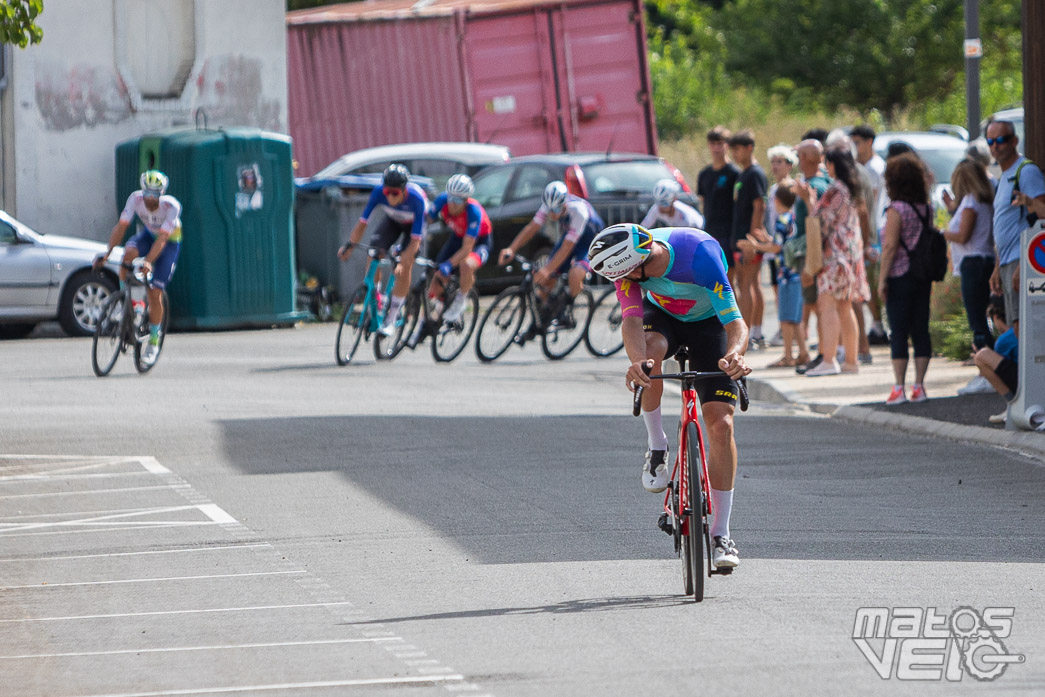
(696, 518)
(108, 334)
(501, 324)
(565, 331)
(603, 337)
(450, 338)
(355, 323)
(143, 331)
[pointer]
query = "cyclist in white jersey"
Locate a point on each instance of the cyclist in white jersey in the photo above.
(668, 211)
(159, 242)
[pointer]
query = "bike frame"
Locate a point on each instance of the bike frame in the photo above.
(377, 313)
(689, 415)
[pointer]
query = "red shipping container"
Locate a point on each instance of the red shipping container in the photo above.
(536, 75)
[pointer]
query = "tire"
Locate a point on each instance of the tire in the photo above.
(16, 331)
(354, 324)
(603, 338)
(143, 331)
(450, 338)
(388, 347)
(81, 302)
(108, 335)
(565, 332)
(693, 545)
(501, 324)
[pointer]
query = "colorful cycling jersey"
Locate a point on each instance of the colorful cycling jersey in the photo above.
(683, 215)
(694, 286)
(578, 216)
(165, 219)
(411, 211)
(472, 221)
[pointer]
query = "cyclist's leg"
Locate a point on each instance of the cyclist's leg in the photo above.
(162, 272)
(450, 247)
(137, 246)
(661, 342)
(578, 272)
(471, 264)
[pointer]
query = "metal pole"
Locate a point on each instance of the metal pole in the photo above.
(972, 69)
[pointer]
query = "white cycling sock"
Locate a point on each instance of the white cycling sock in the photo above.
(656, 438)
(756, 331)
(393, 308)
(721, 507)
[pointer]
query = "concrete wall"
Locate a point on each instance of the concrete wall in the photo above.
(73, 97)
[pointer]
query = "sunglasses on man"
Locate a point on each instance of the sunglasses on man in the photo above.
(1000, 139)
(391, 191)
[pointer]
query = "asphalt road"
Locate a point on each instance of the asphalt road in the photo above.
(251, 519)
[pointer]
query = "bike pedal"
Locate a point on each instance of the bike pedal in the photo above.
(664, 523)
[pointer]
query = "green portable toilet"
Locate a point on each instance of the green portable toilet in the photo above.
(236, 265)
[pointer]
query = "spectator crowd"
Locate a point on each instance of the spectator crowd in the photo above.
(841, 230)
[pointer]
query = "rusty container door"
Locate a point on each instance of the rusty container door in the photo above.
(512, 82)
(603, 77)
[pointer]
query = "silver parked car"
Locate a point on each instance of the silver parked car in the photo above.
(437, 161)
(46, 277)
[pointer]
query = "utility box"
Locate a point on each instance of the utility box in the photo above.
(536, 75)
(236, 264)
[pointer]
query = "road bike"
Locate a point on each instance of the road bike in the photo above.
(423, 316)
(123, 322)
(365, 310)
(687, 501)
(603, 337)
(559, 320)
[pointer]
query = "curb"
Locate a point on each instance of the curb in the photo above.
(1025, 442)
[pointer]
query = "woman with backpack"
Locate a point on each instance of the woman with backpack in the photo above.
(906, 293)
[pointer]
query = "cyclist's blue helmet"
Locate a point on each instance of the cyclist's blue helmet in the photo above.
(619, 249)
(555, 196)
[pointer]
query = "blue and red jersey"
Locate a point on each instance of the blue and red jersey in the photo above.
(472, 221)
(410, 212)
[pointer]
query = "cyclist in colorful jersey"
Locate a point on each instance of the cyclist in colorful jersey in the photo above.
(668, 211)
(404, 205)
(673, 290)
(577, 221)
(159, 242)
(468, 247)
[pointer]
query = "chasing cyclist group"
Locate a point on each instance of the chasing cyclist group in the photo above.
(670, 278)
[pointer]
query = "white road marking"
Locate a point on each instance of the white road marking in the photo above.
(210, 510)
(133, 554)
(88, 491)
(153, 465)
(172, 612)
(20, 478)
(110, 527)
(433, 679)
(220, 647)
(215, 513)
(152, 580)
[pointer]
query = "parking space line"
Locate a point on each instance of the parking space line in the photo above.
(218, 647)
(107, 519)
(152, 580)
(134, 554)
(171, 612)
(87, 491)
(110, 527)
(21, 478)
(361, 682)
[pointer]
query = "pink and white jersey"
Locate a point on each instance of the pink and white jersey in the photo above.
(165, 219)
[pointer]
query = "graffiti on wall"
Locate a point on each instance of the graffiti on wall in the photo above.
(229, 89)
(80, 96)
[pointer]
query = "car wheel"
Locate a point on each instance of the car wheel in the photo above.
(16, 331)
(82, 302)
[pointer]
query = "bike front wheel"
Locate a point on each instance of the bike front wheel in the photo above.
(566, 330)
(695, 515)
(450, 338)
(501, 324)
(108, 334)
(388, 347)
(355, 323)
(604, 338)
(141, 336)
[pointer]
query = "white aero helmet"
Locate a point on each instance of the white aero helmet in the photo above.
(154, 183)
(554, 197)
(665, 192)
(460, 186)
(619, 249)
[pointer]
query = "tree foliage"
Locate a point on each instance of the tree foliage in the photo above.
(18, 22)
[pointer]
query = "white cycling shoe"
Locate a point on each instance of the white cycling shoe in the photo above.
(456, 309)
(724, 555)
(151, 353)
(655, 471)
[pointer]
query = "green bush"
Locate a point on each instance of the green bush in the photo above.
(948, 326)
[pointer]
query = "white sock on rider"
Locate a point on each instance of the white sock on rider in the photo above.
(721, 507)
(756, 331)
(393, 309)
(656, 438)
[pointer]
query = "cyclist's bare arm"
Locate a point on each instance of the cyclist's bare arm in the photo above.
(114, 239)
(635, 345)
(736, 345)
(353, 239)
(524, 236)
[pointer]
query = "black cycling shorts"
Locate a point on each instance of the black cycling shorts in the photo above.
(388, 232)
(706, 342)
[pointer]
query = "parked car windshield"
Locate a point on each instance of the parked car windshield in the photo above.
(638, 176)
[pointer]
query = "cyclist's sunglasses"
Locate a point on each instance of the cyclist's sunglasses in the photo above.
(456, 199)
(391, 191)
(1000, 139)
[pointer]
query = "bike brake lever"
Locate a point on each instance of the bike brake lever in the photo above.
(636, 406)
(744, 401)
